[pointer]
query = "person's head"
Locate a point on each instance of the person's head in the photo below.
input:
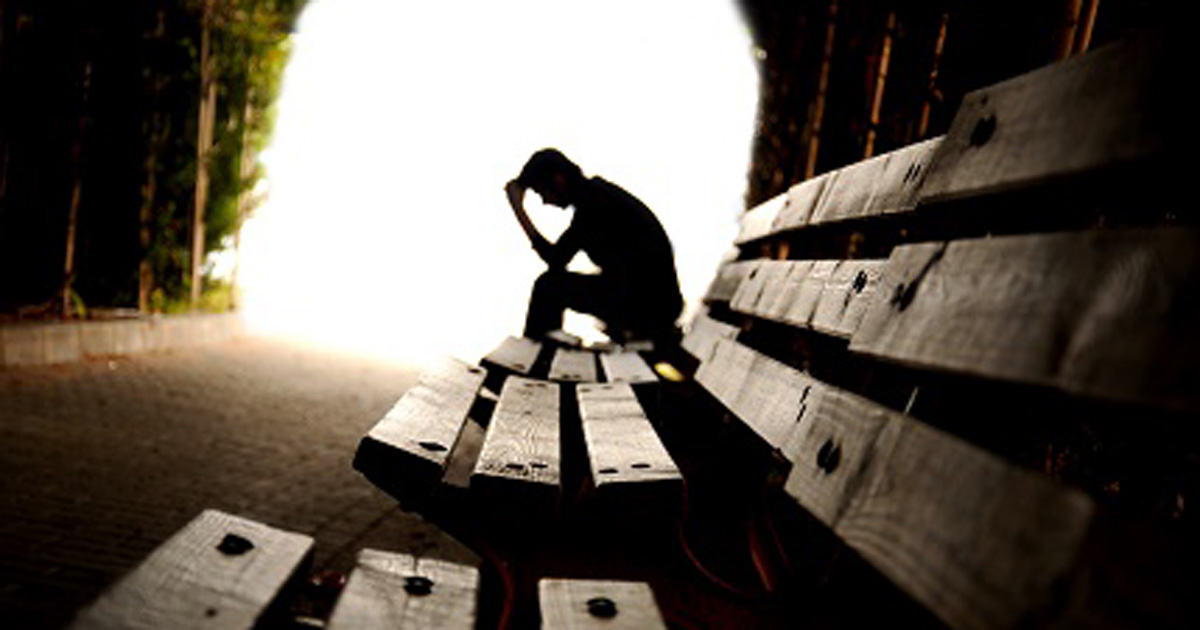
(552, 176)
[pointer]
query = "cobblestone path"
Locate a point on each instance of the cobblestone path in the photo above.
(101, 461)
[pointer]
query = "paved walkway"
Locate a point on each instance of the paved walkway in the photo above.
(101, 461)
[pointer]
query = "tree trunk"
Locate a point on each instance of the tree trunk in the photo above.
(208, 109)
(67, 303)
(154, 146)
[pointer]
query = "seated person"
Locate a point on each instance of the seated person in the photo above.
(636, 294)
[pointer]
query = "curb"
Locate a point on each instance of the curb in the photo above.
(49, 343)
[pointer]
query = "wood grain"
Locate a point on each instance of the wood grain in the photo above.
(981, 543)
(376, 597)
(1109, 107)
(517, 354)
(623, 449)
(576, 366)
(626, 367)
(803, 199)
(884, 184)
(701, 338)
(411, 444)
(564, 605)
(189, 582)
(762, 392)
(521, 450)
(759, 220)
(846, 295)
(728, 277)
(1105, 313)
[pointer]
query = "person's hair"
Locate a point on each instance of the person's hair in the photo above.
(542, 166)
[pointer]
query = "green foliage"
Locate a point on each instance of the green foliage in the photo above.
(250, 48)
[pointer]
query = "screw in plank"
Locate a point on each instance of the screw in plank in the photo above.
(602, 607)
(984, 129)
(432, 446)
(234, 545)
(829, 456)
(418, 585)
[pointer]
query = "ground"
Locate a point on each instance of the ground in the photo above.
(101, 461)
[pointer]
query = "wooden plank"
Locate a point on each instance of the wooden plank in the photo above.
(1110, 107)
(762, 392)
(833, 440)
(759, 220)
(408, 449)
(846, 296)
(219, 571)
(624, 452)
(1106, 313)
(803, 199)
(576, 366)
(584, 604)
(521, 453)
(517, 354)
(626, 367)
(880, 185)
(392, 590)
(806, 292)
(726, 281)
(701, 338)
(981, 543)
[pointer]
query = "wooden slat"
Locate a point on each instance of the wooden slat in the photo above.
(703, 334)
(803, 200)
(884, 184)
(981, 543)
(517, 354)
(725, 283)
(565, 605)
(624, 451)
(577, 366)
(1107, 313)
(1109, 107)
(411, 444)
(219, 571)
(763, 392)
(626, 367)
(846, 295)
(759, 220)
(835, 436)
(521, 453)
(391, 590)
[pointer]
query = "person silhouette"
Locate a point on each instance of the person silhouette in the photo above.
(636, 294)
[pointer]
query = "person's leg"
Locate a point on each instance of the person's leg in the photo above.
(556, 291)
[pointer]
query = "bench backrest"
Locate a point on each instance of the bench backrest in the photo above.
(934, 338)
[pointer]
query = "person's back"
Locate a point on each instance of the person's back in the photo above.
(637, 291)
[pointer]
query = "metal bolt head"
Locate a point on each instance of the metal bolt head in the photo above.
(234, 545)
(418, 585)
(602, 607)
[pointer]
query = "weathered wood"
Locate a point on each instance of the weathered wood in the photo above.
(834, 437)
(391, 590)
(882, 185)
(703, 334)
(1109, 107)
(408, 449)
(517, 354)
(626, 457)
(981, 543)
(759, 220)
(576, 366)
(726, 282)
(521, 455)
(846, 295)
(1106, 313)
(766, 394)
(626, 367)
(219, 571)
(803, 199)
(582, 604)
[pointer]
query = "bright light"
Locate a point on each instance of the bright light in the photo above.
(386, 228)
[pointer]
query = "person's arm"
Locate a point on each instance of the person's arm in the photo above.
(556, 255)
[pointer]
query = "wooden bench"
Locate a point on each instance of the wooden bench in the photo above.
(951, 385)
